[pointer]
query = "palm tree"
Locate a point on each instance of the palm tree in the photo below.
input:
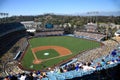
(2, 14)
(7, 14)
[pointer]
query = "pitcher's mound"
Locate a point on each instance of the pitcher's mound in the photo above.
(37, 61)
(46, 54)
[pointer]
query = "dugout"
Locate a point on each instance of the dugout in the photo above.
(17, 55)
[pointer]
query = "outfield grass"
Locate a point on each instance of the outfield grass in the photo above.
(76, 45)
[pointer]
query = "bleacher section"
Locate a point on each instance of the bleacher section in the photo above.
(50, 33)
(88, 35)
(44, 29)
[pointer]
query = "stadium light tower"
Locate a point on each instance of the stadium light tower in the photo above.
(4, 15)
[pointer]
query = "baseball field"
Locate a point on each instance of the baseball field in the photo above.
(45, 52)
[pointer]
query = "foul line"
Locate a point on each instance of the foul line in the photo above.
(56, 57)
(34, 55)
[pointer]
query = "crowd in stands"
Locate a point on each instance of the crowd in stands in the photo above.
(23, 43)
(88, 35)
(7, 61)
(49, 29)
(12, 68)
(50, 33)
(98, 52)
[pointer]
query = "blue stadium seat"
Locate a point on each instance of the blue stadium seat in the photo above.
(51, 77)
(68, 75)
(60, 77)
(45, 79)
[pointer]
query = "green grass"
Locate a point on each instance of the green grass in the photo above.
(52, 53)
(76, 45)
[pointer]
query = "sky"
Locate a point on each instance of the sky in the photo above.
(37, 7)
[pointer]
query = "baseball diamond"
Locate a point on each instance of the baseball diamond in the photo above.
(60, 49)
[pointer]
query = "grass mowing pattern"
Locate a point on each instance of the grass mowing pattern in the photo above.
(52, 53)
(76, 45)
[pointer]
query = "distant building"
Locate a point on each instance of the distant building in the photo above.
(91, 27)
(31, 26)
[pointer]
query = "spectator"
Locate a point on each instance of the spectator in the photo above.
(98, 65)
(77, 67)
(6, 78)
(13, 77)
(23, 76)
(61, 70)
(113, 53)
(102, 62)
(27, 77)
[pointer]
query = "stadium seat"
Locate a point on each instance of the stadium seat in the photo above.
(45, 79)
(68, 75)
(51, 77)
(60, 77)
